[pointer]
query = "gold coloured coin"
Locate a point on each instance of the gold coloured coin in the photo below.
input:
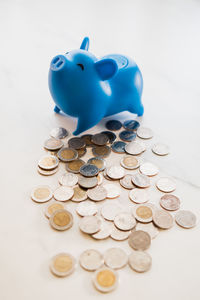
(53, 206)
(41, 193)
(75, 165)
(61, 219)
(102, 151)
(79, 194)
(48, 162)
(98, 162)
(67, 154)
(47, 172)
(105, 280)
(81, 152)
(143, 213)
(130, 162)
(62, 264)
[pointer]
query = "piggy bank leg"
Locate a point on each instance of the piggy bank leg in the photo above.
(138, 110)
(57, 109)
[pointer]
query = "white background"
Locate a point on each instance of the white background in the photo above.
(163, 38)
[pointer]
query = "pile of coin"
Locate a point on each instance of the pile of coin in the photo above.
(93, 183)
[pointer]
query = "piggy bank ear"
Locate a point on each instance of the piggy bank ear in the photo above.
(85, 44)
(106, 68)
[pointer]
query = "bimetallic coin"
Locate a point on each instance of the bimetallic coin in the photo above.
(81, 152)
(53, 144)
(149, 228)
(91, 260)
(99, 162)
(62, 264)
(63, 193)
(76, 143)
(139, 240)
(115, 172)
(47, 172)
(131, 125)
(130, 162)
(79, 194)
(105, 280)
(113, 190)
(61, 219)
(160, 149)
(89, 170)
(86, 208)
(90, 224)
(135, 148)
(162, 219)
(98, 193)
(144, 133)
(75, 165)
(185, 219)
(140, 261)
(104, 232)
(87, 182)
(51, 207)
(126, 182)
(170, 202)
(124, 221)
(118, 147)
(113, 125)
(101, 151)
(109, 211)
(139, 196)
(111, 136)
(141, 180)
(148, 169)
(68, 179)
(48, 162)
(59, 133)
(100, 178)
(67, 154)
(143, 213)
(115, 258)
(99, 139)
(41, 194)
(127, 136)
(119, 235)
(87, 139)
(166, 184)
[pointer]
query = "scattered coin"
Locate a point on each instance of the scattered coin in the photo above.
(100, 178)
(81, 152)
(75, 165)
(112, 190)
(86, 208)
(135, 148)
(113, 125)
(53, 206)
(119, 235)
(68, 179)
(106, 176)
(53, 144)
(104, 232)
(139, 240)
(115, 172)
(87, 182)
(162, 219)
(109, 211)
(90, 224)
(131, 125)
(118, 147)
(127, 136)
(141, 180)
(76, 143)
(87, 139)
(61, 219)
(89, 170)
(47, 172)
(62, 264)
(48, 162)
(143, 213)
(126, 182)
(144, 133)
(140, 261)
(124, 221)
(41, 193)
(139, 196)
(59, 133)
(100, 139)
(79, 194)
(166, 184)
(111, 136)
(148, 169)
(160, 149)
(130, 162)
(67, 154)
(91, 260)
(185, 219)
(97, 193)
(170, 202)
(105, 280)
(149, 228)
(115, 258)
(63, 193)
(99, 162)
(101, 151)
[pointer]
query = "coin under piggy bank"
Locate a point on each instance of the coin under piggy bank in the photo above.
(90, 89)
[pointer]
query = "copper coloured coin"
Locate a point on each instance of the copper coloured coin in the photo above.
(139, 240)
(170, 202)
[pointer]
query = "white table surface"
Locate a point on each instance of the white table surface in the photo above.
(163, 37)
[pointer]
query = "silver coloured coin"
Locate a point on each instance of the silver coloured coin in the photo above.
(76, 143)
(53, 144)
(170, 202)
(61, 219)
(48, 162)
(115, 172)
(41, 193)
(124, 221)
(135, 148)
(111, 136)
(89, 170)
(99, 162)
(185, 219)
(126, 182)
(100, 178)
(97, 193)
(53, 206)
(139, 196)
(166, 184)
(118, 147)
(87, 208)
(90, 224)
(119, 235)
(143, 213)
(144, 133)
(140, 261)
(59, 133)
(115, 258)
(91, 260)
(139, 240)
(63, 193)
(160, 149)
(63, 264)
(100, 139)
(131, 125)
(163, 219)
(130, 162)
(113, 190)
(113, 125)
(149, 228)
(109, 211)
(104, 232)
(67, 154)
(47, 172)
(148, 169)
(87, 182)
(141, 180)
(127, 136)
(106, 176)
(105, 280)
(68, 179)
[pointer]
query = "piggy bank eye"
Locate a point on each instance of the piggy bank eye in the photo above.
(80, 65)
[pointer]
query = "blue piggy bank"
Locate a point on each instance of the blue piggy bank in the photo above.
(89, 88)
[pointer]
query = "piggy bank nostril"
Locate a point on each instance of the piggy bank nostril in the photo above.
(55, 60)
(59, 64)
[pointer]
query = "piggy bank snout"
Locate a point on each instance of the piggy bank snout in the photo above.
(57, 63)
